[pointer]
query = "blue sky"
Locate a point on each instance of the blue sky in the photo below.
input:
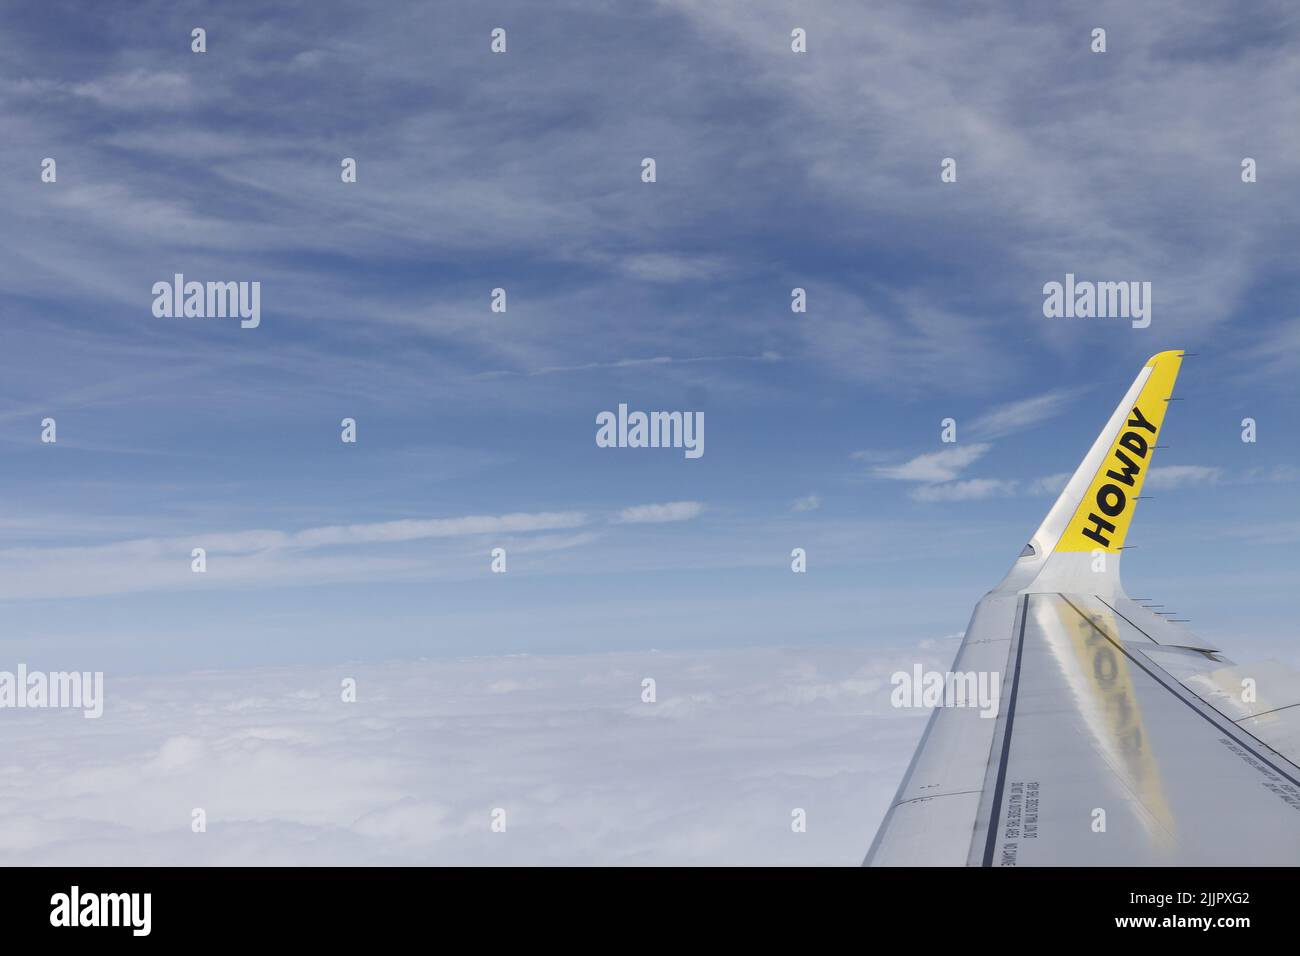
(522, 171)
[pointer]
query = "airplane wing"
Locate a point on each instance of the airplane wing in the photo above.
(1119, 737)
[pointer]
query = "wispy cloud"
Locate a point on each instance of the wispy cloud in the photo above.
(938, 471)
(1183, 476)
(263, 557)
(933, 466)
(139, 89)
(1050, 484)
(661, 513)
(668, 267)
(414, 529)
(653, 361)
(1272, 474)
(1023, 413)
(1273, 533)
(972, 489)
(807, 503)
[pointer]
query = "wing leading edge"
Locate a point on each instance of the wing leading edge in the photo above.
(1121, 738)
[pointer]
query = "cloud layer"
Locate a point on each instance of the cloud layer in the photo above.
(410, 773)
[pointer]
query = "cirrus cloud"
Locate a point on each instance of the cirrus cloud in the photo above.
(660, 513)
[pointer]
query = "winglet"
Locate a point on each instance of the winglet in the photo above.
(1078, 545)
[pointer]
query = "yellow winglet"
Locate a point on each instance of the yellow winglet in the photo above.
(1105, 511)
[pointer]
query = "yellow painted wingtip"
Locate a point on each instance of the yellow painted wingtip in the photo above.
(1103, 513)
(1169, 355)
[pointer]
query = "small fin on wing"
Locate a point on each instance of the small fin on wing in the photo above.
(1094, 511)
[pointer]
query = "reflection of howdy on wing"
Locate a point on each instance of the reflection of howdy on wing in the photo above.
(1106, 700)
